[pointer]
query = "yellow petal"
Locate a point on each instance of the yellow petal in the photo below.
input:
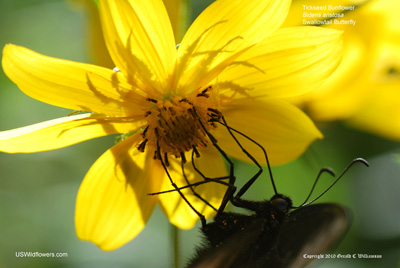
(225, 20)
(140, 40)
(224, 29)
(290, 62)
(113, 204)
(68, 84)
(281, 128)
(62, 132)
(176, 209)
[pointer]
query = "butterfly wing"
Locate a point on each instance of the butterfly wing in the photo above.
(310, 230)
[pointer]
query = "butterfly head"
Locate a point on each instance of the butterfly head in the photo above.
(280, 204)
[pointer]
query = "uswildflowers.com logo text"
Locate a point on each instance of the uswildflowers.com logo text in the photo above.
(36, 254)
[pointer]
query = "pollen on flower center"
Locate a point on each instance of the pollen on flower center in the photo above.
(178, 124)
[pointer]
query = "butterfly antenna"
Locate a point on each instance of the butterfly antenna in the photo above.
(341, 175)
(327, 170)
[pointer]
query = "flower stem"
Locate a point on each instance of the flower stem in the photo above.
(175, 238)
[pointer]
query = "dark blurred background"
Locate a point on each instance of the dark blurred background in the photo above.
(38, 191)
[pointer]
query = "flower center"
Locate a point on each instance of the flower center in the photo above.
(178, 125)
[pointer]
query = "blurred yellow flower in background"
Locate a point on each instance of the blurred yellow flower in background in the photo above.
(178, 14)
(364, 90)
(234, 59)
(96, 48)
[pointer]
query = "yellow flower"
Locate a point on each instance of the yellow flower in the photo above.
(232, 59)
(364, 90)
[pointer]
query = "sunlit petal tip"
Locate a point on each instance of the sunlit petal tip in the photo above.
(72, 85)
(113, 204)
(62, 132)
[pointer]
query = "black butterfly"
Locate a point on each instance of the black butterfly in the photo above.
(271, 237)
(277, 234)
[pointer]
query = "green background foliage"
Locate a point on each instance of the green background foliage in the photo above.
(38, 191)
